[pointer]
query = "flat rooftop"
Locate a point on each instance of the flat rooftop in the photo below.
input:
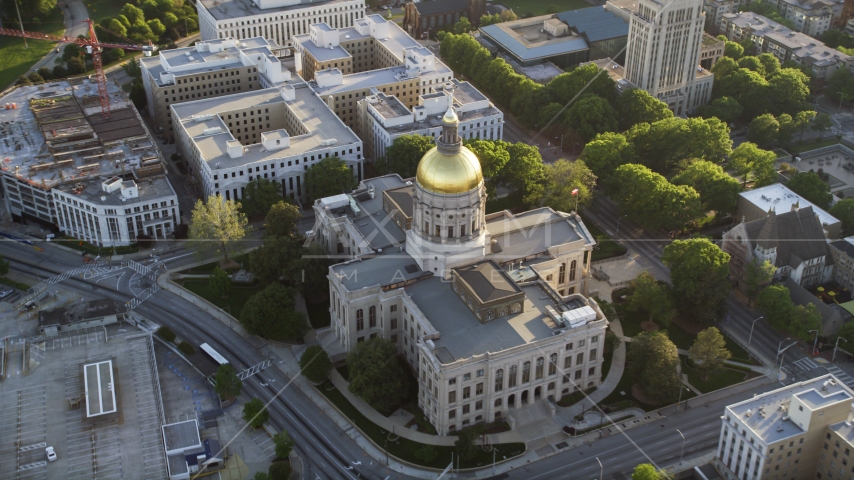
(91, 191)
(781, 198)
(360, 81)
(321, 123)
(769, 424)
(845, 430)
(100, 389)
(525, 41)
(464, 336)
(57, 134)
(181, 435)
(533, 232)
(382, 270)
(232, 9)
(79, 311)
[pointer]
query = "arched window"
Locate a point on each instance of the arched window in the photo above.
(572, 271)
(511, 379)
(553, 364)
(490, 315)
(360, 319)
(499, 380)
(526, 372)
(540, 362)
(515, 308)
(502, 311)
(468, 302)
(372, 316)
(561, 275)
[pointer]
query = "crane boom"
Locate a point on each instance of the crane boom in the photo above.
(92, 46)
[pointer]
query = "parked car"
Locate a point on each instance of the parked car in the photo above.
(6, 293)
(51, 454)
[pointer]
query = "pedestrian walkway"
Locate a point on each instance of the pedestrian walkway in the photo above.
(804, 365)
(841, 375)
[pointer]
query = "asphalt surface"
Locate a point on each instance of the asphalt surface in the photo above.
(75, 24)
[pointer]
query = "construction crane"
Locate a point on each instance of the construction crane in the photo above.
(93, 47)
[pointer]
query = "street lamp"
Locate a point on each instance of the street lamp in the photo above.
(683, 446)
(815, 342)
(601, 469)
(618, 227)
(680, 396)
(751, 330)
(833, 358)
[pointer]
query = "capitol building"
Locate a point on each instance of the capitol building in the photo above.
(490, 310)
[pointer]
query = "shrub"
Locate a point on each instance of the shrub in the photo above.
(427, 453)
(279, 471)
(166, 333)
(186, 348)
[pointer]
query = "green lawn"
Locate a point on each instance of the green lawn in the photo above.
(797, 148)
(606, 247)
(625, 385)
(723, 379)
(738, 354)
(538, 7)
(405, 449)
(100, 9)
(235, 301)
(15, 60)
(318, 314)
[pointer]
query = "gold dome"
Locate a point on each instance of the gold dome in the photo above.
(449, 174)
(450, 117)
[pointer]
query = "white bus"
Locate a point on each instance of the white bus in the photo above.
(213, 354)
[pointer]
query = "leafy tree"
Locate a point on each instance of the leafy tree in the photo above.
(274, 258)
(462, 26)
(523, 170)
(638, 106)
(59, 72)
(30, 10)
(75, 66)
(664, 145)
(770, 63)
(788, 91)
(591, 115)
(186, 348)
(749, 88)
(763, 130)
(747, 159)
(645, 471)
(562, 177)
(649, 197)
(844, 211)
(403, 155)
(270, 314)
(776, 305)
(260, 195)
(803, 119)
(4, 267)
(756, 275)
(216, 225)
(315, 364)
(72, 50)
(376, 375)
(805, 318)
(787, 128)
(284, 444)
(651, 298)
(840, 85)
(134, 14)
(156, 27)
(709, 351)
(553, 9)
(262, 475)
(718, 191)
(228, 385)
(606, 153)
(45, 73)
(279, 471)
(308, 272)
(492, 156)
(652, 360)
(847, 333)
(220, 282)
(35, 77)
(821, 123)
(328, 177)
(255, 413)
(427, 453)
(466, 447)
(733, 50)
(810, 186)
(281, 220)
(166, 333)
(752, 63)
(699, 270)
(727, 109)
(23, 80)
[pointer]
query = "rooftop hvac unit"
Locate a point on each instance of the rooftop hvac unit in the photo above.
(202, 117)
(328, 142)
(212, 130)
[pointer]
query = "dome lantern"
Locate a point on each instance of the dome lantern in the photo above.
(449, 168)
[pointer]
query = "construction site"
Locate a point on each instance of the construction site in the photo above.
(55, 134)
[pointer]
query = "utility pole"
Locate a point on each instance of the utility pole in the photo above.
(21, 24)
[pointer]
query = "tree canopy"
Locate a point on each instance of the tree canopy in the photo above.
(561, 178)
(315, 364)
(638, 106)
(748, 161)
(652, 359)
(330, 176)
(281, 220)
(651, 298)
(255, 413)
(220, 282)
(663, 145)
(606, 153)
(227, 384)
(699, 271)
(763, 130)
(376, 375)
(284, 444)
(403, 155)
(844, 211)
(591, 115)
(270, 314)
(651, 199)
(645, 471)
(216, 225)
(709, 351)
(810, 186)
(727, 109)
(718, 191)
(260, 195)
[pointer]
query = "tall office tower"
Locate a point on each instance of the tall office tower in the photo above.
(663, 53)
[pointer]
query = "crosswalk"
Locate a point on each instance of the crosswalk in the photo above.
(841, 375)
(804, 365)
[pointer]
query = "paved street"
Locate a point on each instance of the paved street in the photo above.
(75, 16)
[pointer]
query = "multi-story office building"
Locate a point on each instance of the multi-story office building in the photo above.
(421, 18)
(811, 17)
(60, 153)
(382, 117)
(842, 252)
(801, 431)
(484, 333)
(715, 10)
(274, 133)
(208, 69)
(663, 53)
(275, 20)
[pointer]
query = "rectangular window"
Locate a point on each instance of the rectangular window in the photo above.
(466, 392)
(579, 359)
(466, 409)
(478, 389)
(452, 396)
